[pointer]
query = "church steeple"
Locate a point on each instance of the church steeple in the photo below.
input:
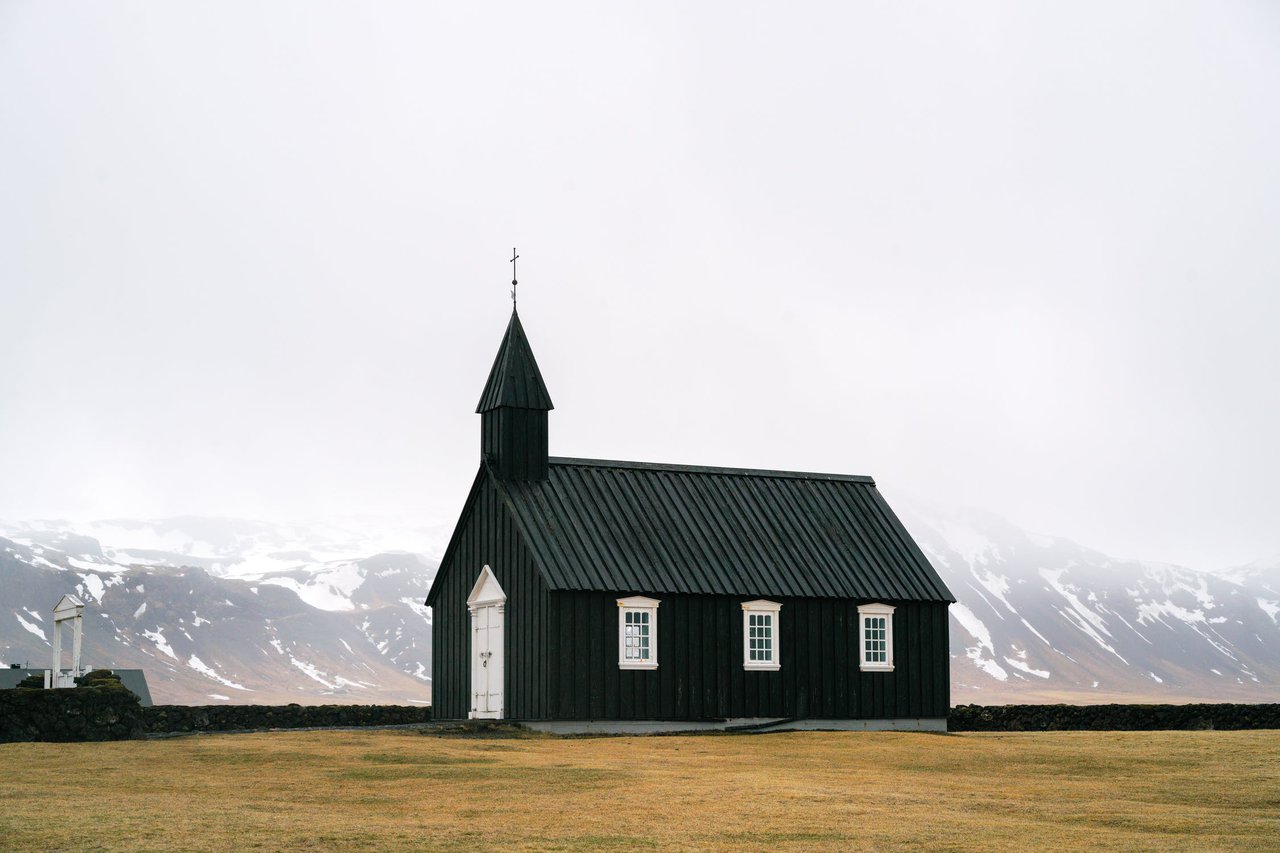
(513, 410)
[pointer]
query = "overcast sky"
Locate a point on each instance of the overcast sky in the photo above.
(253, 257)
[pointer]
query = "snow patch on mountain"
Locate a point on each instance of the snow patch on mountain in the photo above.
(208, 672)
(418, 606)
(92, 586)
(1022, 665)
(997, 585)
(1033, 630)
(979, 632)
(1081, 616)
(316, 674)
(1153, 611)
(329, 587)
(1271, 608)
(157, 637)
(32, 628)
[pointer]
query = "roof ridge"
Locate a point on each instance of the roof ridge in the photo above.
(709, 469)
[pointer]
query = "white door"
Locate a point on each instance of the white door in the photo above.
(487, 603)
(486, 662)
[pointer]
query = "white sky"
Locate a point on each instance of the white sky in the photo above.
(1020, 256)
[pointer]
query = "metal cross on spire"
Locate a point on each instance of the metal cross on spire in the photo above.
(513, 277)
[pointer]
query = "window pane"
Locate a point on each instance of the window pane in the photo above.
(759, 637)
(875, 637)
(635, 635)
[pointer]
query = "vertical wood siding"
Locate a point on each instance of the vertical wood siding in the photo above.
(514, 442)
(487, 536)
(700, 674)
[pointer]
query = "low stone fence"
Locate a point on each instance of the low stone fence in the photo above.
(1041, 718)
(166, 719)
(106, 711)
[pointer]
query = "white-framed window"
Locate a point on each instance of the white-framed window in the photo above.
(875, 637)
(638, 632)
(760, 635)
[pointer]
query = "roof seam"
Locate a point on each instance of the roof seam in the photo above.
(708, 469)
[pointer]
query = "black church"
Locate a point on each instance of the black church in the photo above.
(585, 594)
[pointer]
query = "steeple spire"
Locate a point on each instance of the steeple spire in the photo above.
(514, 379)
(513, 410)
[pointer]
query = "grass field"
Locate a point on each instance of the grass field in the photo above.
(397, 790)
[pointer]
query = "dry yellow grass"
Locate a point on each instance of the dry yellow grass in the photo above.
(398, 790)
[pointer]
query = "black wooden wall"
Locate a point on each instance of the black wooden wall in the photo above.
(700, 674)
(514, 442)
(487, 536)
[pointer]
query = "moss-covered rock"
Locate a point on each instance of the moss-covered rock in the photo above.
(1032, 718)
(100, 678)
(100, 709)
(224, 718)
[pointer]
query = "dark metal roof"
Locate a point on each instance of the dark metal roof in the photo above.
(515, 379)
(639, 527)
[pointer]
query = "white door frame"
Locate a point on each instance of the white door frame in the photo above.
(487, 603)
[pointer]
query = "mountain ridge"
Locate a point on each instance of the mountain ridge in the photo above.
(243, 611)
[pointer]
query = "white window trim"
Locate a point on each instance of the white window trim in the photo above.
(864, 611)
(761, 606)
(638, 604)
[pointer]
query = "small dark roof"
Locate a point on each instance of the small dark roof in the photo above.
(640, 527)
(133, 680)
(515, 379)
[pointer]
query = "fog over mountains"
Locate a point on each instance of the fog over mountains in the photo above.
(219, 610)
(1042, 618)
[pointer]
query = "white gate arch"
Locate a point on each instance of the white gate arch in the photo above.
(68, 609)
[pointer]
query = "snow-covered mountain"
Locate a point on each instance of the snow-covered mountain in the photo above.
(1042, 618)
(227, 611)
(237, 611)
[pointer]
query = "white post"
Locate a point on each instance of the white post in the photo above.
(57, 650)
(77, 629)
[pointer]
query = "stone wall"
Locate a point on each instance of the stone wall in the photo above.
(106, 712)
(93, 713)
(1039, 718)
(165, 719)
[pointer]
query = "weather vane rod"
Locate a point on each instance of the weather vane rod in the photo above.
(513, 277)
